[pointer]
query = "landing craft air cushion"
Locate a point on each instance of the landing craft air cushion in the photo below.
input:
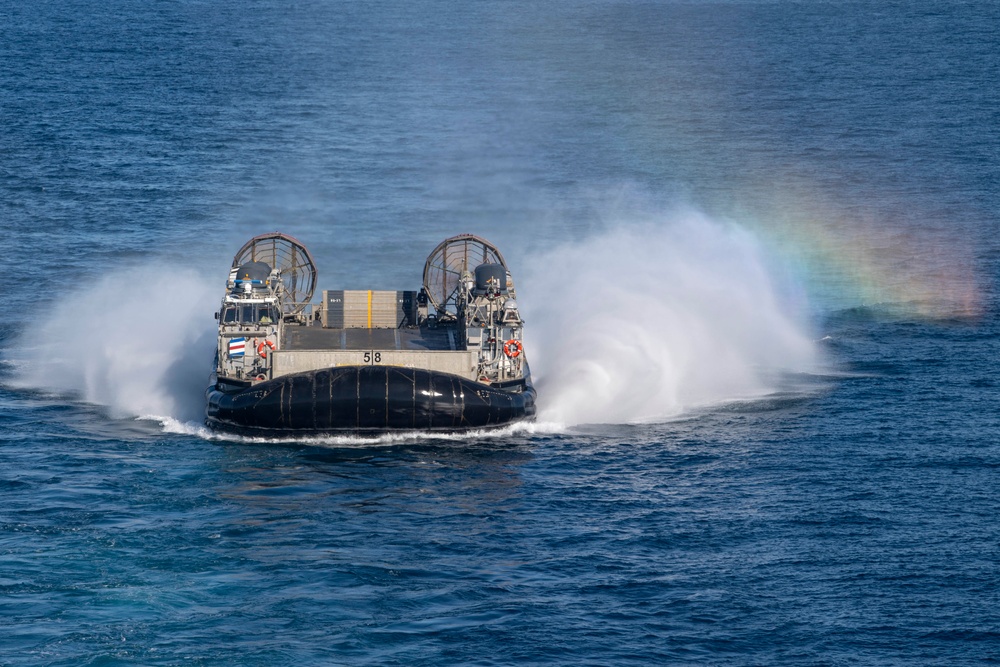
(448, 357)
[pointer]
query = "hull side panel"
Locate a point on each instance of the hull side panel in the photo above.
(367, 399)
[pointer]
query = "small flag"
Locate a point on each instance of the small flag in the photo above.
(237, 347)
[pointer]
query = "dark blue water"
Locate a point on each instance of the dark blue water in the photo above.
(758, 243)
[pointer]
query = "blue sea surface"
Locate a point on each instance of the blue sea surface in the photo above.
(796, 204)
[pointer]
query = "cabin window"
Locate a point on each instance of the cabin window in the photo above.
(267, 314)
(250, 313)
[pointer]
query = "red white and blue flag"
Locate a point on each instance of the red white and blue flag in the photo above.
(237, 347)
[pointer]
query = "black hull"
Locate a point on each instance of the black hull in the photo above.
(366, 399)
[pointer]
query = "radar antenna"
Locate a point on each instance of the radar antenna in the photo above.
(287, 255)
(446, 264)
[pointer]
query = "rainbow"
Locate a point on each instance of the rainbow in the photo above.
(854, 257)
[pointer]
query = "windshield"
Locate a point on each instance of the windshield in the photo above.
(250, 313)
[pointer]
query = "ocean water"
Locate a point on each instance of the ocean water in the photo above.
(756, 245)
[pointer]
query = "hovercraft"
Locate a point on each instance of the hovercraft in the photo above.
(449, 357)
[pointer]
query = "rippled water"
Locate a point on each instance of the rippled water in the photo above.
(757, 243)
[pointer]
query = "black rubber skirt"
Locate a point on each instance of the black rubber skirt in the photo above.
(366, 399)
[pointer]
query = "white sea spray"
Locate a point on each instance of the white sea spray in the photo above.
(137, 340)
(637, 323)
(648, 319)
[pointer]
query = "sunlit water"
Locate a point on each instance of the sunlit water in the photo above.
(755, 245)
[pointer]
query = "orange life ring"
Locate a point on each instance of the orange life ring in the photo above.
(263, 352)
(512, 348)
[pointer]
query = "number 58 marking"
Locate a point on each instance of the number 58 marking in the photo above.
(373, 357)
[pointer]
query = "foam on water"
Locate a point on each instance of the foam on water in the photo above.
(647, 320)
(171, 425)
